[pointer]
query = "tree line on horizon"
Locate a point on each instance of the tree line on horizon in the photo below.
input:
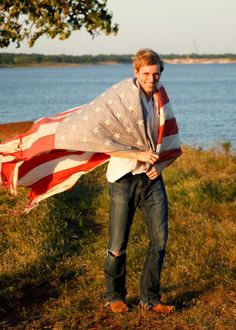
(27, 59)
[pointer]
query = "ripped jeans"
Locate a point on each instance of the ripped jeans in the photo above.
(126, 194)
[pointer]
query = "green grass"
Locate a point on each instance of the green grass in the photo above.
(51, 260)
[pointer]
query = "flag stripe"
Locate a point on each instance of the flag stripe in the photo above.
(44, 159)
(167, 154)
(53, 166)
(6, 173)
(162, 97)
(42, 144)
(62, 185)
(170, 128)
(48, 182)
(169, 142)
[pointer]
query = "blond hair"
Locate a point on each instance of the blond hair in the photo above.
(146, 56)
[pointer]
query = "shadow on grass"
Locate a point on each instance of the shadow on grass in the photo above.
(70, 225)
(187, 293)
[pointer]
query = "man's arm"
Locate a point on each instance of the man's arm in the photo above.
(143, 156)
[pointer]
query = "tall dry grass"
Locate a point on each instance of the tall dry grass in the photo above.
(51, 260)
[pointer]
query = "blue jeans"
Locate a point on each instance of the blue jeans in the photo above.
(150, 196)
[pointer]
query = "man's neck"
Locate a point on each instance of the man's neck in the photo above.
(148, 96)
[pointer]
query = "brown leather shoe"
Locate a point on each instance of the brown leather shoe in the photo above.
(119, 306)
(160, 308)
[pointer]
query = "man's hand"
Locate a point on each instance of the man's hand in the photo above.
(147, 156)
(152, 173)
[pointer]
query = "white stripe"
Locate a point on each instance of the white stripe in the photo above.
(43, 131)
(9, 147)
(166, 112)
(27, 141)
(14, 178)
(54, 166)
(6, 159)
(168, 143)
(62, 115)
(63, 186)
(67, 112)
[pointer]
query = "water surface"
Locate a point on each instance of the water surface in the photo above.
(203, 95)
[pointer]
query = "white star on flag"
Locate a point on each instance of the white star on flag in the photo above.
(139, 143)
(129, 129)
(84, 139)
(140, 122)
(116, 136)
(95, 130)
(118, 115)
(107, 122)
(131, 108)
(107, 143)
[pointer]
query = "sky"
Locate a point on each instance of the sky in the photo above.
(167, 26)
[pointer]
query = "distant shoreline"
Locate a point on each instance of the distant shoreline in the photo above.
(199, 60)
(56, 64)
(184, 60)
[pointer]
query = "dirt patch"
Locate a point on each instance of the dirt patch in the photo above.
(10, 130)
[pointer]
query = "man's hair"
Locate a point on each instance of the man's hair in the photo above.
(146, 56)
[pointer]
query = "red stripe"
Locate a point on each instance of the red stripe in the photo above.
(43, 144)
(168, 154)
(34, 128)
(162, 98)
(42, 186)
(51, 120)
(11, 139)
(64, 113)
(170, 127)
(6, 173)
(42, 159)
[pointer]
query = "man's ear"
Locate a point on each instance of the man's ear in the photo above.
(136, 73)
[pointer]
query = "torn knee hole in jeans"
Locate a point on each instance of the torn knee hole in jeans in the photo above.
(115, 254)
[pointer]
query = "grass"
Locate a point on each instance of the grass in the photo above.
(51, 260)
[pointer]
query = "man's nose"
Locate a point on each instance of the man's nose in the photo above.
(151, 79)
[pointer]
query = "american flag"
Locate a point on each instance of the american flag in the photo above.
(51, 156)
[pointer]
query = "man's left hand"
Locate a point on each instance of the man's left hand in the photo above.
(152, 173)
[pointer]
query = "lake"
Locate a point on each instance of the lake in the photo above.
(203, 95)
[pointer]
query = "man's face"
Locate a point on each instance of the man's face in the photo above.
(148, 76)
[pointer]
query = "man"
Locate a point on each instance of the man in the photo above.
(133, 122)
(135, 180)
